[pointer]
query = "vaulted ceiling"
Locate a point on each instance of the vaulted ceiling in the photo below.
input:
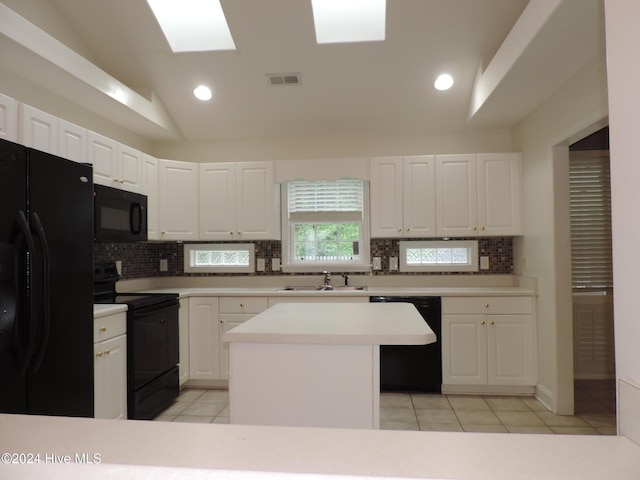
(506, 56)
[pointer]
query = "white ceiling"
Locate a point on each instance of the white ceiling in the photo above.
(383, 88)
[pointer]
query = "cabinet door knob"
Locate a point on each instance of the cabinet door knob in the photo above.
(242, 305)
(482, 228)
(163, 232)
(492, 322)
(221, 321)
(482, 322)
(474, 228)
(408, 229)
(230, 233)
(99, 354)
(399, 230)
(486, 305)
(103, 329)
(107, 351)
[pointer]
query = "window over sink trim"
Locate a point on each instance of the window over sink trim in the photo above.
(219, 257)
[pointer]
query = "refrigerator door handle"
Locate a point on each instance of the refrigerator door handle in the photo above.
(135, 229)
(23, 362)
(46, 283)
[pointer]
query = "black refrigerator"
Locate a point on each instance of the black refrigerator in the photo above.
(46, 284)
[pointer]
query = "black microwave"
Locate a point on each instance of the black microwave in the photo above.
(119, 216)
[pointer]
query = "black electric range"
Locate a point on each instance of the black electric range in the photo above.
(152, 343)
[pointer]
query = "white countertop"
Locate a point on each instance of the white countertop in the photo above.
(185, 292)
(335, 324)
(197, 451)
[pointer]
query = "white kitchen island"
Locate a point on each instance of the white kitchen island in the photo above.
(316, 364)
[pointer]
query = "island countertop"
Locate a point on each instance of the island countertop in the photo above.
(338, 324)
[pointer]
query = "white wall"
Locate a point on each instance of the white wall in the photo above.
(574, 111)
(335, 146)
(623, 37)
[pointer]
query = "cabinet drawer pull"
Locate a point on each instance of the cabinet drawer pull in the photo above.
(242, 305)
(103, 329)
(486, 305)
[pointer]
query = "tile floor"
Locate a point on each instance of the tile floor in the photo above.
(594, 400)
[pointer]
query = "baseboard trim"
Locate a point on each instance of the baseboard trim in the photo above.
(522, 390)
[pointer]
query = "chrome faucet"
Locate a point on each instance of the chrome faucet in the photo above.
(327, 278)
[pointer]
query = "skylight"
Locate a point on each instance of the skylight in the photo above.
(344, 21)
(193, 25)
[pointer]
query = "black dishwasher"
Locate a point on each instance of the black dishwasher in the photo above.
(413, 368)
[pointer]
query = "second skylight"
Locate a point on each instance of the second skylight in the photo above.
(344, 21)
(193, 25)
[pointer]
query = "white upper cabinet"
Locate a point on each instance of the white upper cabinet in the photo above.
(38, 129)
(8, 118)
(115, 165)
(478, 195)
(499, 194)
(403, 196)
(238, 201)
(177, 200)
(150, 189)
(72, 141)
(102, 155)
(128, 171)
(217, 201)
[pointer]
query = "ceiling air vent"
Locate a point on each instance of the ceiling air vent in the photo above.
(284, 79)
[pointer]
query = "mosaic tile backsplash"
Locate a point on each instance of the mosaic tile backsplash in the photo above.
(140, 260)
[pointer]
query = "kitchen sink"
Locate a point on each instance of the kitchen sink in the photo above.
(321, 288)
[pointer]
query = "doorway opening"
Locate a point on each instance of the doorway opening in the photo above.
(592, 275)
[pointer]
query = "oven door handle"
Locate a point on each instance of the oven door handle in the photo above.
(23, 361)
(137, 313)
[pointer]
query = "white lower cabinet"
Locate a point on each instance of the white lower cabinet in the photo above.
(232, 312)
(204, 339)
(488, 344)
(110, 366)
(183, 335)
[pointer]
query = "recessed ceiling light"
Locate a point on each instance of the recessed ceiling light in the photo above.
(443, 82)
(339, 21)
(193, 25)
(202, 92)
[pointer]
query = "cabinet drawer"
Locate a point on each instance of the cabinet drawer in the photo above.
(109, 326)
(242, 304)
(487, 305)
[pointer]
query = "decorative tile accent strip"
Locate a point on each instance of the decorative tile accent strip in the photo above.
(142, 259)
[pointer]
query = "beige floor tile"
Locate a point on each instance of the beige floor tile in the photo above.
(468, 403)
(440, 427)
(164, 418)
(392, 414)
(399, 426)
(397, 400)
(193, 419)
(224, 412)
(190, 394)
(600, 419)
(507, 404)
(204, 409)
(430, 401)
(435, 415)
(483, 428)
(221, 420)
(528, 429)
(217, 396)
(534, 404)
(552, 420)
(177, 408)
(575, 430)
(607, 430)
(477, 417)
(520, 419)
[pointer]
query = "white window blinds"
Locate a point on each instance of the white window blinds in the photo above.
(335, 201)
(590, 189)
